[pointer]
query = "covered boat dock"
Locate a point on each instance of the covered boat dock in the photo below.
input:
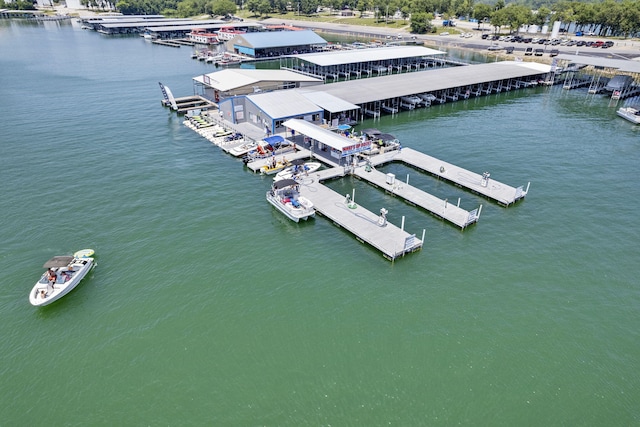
(602, 69)
(441, 85)
(349, 64)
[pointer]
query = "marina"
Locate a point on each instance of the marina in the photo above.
(528, 315)
(340, 210)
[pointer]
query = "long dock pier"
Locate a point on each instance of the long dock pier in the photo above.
(436, 206)
(483, 185)
(366, 226)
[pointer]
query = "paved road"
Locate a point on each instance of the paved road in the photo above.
(622, 49)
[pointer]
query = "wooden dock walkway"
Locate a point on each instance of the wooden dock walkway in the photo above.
(438, 207)
(499, 192)
(391, 240)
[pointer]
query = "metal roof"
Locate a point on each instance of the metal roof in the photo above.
(341, 57)
(327, 137)
(284, 103)
(361, 91)
(626, 65)
(170, 23)
(267, 39)
(229, 79)
(329, 102)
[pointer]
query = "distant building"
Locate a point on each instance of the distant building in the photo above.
(230, 82)
(267, 44)
(267, 111)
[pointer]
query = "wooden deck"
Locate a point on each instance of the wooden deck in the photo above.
(494, 190)
(392, 241)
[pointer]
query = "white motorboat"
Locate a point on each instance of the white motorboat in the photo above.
(243, 149)
(412, 99)
(285, 197)
(63, 274)
(629, 113)
(298, 169)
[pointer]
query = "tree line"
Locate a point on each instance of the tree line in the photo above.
(604, 17)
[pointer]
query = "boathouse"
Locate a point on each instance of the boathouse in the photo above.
(599, 70)
(409, 90)
(275, 43)
(340, 146)
(157, 25)
(367, 62)
(268, 111)
(230, 82)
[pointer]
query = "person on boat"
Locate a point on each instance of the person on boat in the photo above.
(51, 276)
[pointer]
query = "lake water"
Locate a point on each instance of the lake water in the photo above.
(209, 307)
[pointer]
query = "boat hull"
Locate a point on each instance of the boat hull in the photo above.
(305, 211)
(81, 267)
(289, 173)
(630, 114)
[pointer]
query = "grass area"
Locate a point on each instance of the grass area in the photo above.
(333, 19)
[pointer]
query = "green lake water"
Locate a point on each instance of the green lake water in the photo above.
(209, 307)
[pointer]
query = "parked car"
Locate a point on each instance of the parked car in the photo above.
(539, 52)
(554, 52)
(495, 47)
(528, 51)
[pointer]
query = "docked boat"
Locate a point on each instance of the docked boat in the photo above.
(427, 98)
(285, 197)
(411, 99)
(274, 166)
(63, 274)
(243, 149)
(299, 167)
(270, 146)
(629, 113)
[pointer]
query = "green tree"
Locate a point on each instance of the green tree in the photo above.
(421, 23)
(223, 8)
(264, 7)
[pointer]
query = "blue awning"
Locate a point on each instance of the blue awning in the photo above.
(273, 140)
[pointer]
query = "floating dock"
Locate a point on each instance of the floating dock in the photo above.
(483, 185)
(373, 228)
(414, 196)
(366, 226)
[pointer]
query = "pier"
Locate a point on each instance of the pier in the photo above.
(483, 185)
(345, 154)
(366, 226)
(416, 197)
